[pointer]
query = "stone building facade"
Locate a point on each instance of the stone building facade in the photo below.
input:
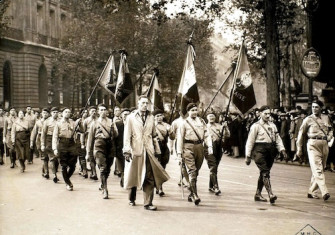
(27, 76)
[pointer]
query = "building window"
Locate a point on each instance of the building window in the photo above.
(40, 18)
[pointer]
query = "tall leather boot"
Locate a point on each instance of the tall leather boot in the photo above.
(1, 159)
(93, 175)
(104, 186)
(12, 158)
(84, 168)
(267, 184)
(217, 191)
(195, 196)
(45, 169)
(23, 167)
(258, 195)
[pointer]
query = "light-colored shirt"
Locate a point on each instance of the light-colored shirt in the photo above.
(215, 130)
(257, 134)
(37, 130)
(309, 127)
(19, 125)
(186, 132)
(63, 129)
(47, 129)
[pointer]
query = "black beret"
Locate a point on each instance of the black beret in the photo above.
(54, 109)
(157, 111)
(318, 102)
(46, 110)
(303, 111)
(64, 108)
(264, 107)
(190, 106)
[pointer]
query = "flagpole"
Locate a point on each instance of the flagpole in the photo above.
(156, 71)
(232, 70)
(173, 107)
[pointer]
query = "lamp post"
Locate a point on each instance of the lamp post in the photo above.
(310, 6)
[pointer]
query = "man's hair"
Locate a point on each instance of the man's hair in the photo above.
(142, 96)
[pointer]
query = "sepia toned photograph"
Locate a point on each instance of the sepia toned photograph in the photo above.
(166, 117)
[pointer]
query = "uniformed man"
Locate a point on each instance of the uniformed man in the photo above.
(190, 146)
(79, 136)
(142, 169)
(263, 145)
(7, 140)
(162, 130)
(219, 133)
(86, 127)
(100, 139)
(117, 118)
(2, 149)
(20, 138)
(35, 139)
(174, 130)
(119, 143)
(64, 146)
(318, 131)
(46, 142)
(31, 118)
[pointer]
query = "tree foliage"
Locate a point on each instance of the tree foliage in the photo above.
(151, 40)
(3, 18)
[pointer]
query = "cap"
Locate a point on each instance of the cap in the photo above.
(157, 111)
(211, 112)
(264, 107)
(125, 110)
(318, 102)
(54, 109)
(46, 110)
(190, 106)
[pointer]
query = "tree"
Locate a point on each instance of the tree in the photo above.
(3, 18)
(150, 39)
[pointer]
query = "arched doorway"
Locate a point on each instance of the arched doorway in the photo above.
(43, 86)
(7, 85)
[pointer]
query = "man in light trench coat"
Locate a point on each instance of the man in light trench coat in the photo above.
(140, 148)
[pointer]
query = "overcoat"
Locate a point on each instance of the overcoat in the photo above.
(140, 140)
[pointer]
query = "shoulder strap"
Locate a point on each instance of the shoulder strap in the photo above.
(16, 123)
(196, 133)
(266, 132)
(319, 126)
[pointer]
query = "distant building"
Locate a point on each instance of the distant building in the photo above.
(27, 76)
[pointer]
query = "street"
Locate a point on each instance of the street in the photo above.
(30, 204)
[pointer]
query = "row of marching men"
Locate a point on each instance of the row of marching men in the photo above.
(140, 140)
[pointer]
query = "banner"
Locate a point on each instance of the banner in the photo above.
(188, 85)
(124, 85)
(244, 96)
(155, 93)
(108, 76)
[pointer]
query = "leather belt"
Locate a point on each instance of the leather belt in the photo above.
(193, 142)
(318, 138)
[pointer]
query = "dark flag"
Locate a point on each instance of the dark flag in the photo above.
(244, 95)
(155, 93)
(108, 76)
(124, 85)
(188, 85)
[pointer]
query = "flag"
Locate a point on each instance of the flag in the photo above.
(155, 93)
(124, 85)
(108, 76)
(243, 95)
(188, 85)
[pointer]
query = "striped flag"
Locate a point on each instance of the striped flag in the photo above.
(108, 76)
(124, 85)
(188, 84)
(244, 96)
(155, 93)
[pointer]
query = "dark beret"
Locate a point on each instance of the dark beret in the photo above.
(264, 107)
(303, 111)
(54, 109)
(157, 111)
(64, 108)
(318, 102)
(190, 106)
(46, 110)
